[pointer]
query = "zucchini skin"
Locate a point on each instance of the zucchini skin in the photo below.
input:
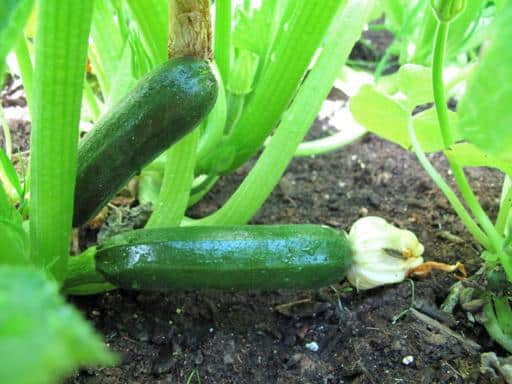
(251, 257)
(163, 106)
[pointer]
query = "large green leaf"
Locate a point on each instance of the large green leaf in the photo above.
(485, 110)
(42, 338)
(415, 81)
(13, 16)
(468, 155)
(388, 118)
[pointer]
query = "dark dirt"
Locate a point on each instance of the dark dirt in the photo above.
(213, 337)
(263, 337)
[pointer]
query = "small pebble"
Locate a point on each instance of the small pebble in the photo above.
(408, 360)
(313, 346)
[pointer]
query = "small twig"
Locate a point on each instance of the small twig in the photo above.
(471, 346)
(450, 237)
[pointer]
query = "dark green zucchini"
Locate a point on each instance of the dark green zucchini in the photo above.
(165, 105)
(248, 257)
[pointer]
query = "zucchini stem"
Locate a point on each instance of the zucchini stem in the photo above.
(189, 29)
(82, 277)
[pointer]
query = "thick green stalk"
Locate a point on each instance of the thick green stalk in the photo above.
(176, 184)
(276, 87)
(214, 123)
(258, 185)
(61, 49)
(222, 43)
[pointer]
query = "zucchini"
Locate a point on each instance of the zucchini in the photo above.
(260, 257)
(163, 106)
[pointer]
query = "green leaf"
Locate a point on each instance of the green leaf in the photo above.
(426, 126)
(485, 111)
(13, 16)
(256, 31)
(380, 114)
(388, 118)
(42, 338)
(415, 81)
(468, 155)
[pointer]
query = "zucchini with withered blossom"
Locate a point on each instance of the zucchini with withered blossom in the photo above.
(229, 257)
(248, 257)
(164, 106)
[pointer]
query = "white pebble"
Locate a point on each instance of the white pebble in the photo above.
(313, 346)
(408, 360)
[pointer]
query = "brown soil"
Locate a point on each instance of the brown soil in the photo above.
(213, 337)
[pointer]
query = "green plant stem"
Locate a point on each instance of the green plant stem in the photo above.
(438, 84)
(472, 227)
(330, 143)
(176, 184)
(504, 211)
(263, 177)
(222, 43)
(214, 123)
(198, 193)
(26, 69)
(444, 124)
(278, 83)
(472, 202)
(61, 49)
(493, 328)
